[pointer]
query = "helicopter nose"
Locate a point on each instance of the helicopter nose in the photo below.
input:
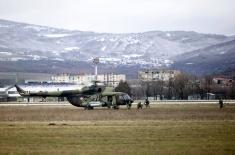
(131, 100)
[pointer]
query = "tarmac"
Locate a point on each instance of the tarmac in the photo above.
(136, 101)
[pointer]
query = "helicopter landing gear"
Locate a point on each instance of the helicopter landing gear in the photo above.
(88, 107)
(115, 107)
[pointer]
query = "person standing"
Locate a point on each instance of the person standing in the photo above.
(147, 103)
(221, 104)
(139, 105)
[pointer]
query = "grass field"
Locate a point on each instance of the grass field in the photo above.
(163, 129)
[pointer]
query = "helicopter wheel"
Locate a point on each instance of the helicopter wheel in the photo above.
(88, 107)
(115, 107)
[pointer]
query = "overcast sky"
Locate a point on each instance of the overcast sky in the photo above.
(124, 16)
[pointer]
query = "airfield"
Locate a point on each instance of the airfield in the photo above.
(165, 128)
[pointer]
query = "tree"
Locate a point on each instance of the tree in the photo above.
(170, 86)
(123, 87)
(232, 92)
(181, 85)
(207, 86)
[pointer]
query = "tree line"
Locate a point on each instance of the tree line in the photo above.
(182, 86)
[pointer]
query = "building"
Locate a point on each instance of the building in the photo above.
(157, 74)
(109, 79)
(223, 82)
(69, 78)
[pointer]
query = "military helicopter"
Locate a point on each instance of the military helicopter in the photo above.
(107, 98)
(87, 96)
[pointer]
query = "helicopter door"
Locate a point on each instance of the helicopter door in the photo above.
(110, 99)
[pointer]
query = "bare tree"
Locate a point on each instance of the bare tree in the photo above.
(170, 88)
(181, 85)
(208, 85)
(232, 92)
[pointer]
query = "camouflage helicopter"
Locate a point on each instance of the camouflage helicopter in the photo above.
(107, 98)
(82, 95)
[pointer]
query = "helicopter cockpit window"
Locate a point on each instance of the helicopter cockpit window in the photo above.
(126, 97)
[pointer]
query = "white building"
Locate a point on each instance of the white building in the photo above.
(157, 74)
(109, 79)
(69, 78)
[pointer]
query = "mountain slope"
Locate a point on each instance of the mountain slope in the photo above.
(26, 42)
(212, 59)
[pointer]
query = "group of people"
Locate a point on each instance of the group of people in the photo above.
(146, 103)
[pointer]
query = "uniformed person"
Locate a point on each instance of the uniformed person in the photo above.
(147, 103)
(128, 105)
(139, 105)
(221, 104)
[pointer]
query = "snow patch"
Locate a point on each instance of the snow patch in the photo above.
(56, 35)
(168, 34)
(4, 26)
(184, 38)
(56, 53)
(221, 53)
(58, 59)
(168, 61)
(132, 56)
(37, 57)
(105, 59)
(102, 39)
(17, 59)
(71, 48)
(103, 48)
(36, 28)
(5, 53)
(189, 63)
(112, 39)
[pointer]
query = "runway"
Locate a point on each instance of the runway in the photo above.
(153, 102)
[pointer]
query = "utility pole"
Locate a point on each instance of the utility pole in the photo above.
(16, 77)
(96, 61)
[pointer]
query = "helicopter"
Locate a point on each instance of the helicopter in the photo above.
(88, 96)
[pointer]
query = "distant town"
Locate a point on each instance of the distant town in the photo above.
(155, 84)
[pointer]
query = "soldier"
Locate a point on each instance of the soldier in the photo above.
(147, 103)
(221, 104)
(129, 105)
(139, 105)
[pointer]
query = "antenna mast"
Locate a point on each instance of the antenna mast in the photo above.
(96, 61)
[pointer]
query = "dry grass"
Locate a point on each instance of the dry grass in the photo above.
(164, 129)
(159, 112)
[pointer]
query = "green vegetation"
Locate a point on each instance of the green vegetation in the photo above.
(185, 129)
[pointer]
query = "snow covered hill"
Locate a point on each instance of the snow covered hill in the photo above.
(23, 42)
(209, 60)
